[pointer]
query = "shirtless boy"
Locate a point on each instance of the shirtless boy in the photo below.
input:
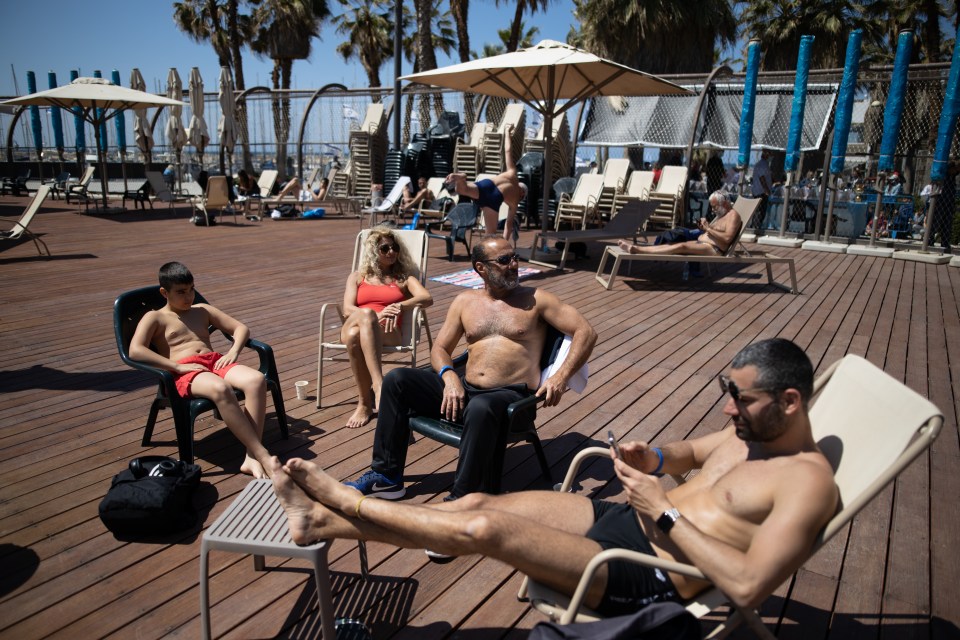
(179, 333)
(747, 520)
(491, 193)
(713, 239)
(505, 327)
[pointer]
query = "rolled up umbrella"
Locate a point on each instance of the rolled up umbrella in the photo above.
(120, 125)
(892, 117)
(36, 125)
(197, 133)
(792, 160)
(841, 126)
(55, 120)
(142, 135)
(80, 135)
(227, 126)
(749, 106)
(176, 136)
(945, 133)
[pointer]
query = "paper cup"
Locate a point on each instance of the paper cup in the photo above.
(302, 389)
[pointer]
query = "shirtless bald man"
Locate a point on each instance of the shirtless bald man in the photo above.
(505, 328)
(713, 239)
(491, 193)
(748, 519)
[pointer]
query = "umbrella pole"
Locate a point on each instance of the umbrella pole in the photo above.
(101, 156)
(547, 172)
(123, 168)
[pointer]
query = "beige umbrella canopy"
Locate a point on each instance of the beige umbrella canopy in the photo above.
(141, 127)
(227, 127)
(93, 95)
(543, 76)
(197, 133)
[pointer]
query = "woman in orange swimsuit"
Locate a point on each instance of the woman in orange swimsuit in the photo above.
(374, 300)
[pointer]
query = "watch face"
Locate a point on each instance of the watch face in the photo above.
(666, 521)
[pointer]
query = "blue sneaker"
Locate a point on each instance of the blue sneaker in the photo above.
(377, 485)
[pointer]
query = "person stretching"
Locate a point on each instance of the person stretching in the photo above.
(489, 194)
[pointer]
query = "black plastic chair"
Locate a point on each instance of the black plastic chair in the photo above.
(128, 309)
(520, 416)
(462, 218)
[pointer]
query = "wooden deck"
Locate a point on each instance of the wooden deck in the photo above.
(72, 415)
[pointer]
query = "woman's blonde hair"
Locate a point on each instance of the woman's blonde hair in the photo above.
(369, 257)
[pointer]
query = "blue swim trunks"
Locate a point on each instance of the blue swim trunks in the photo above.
(489, 196)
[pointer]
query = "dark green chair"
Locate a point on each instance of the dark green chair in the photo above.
(520, 416)
(462, 218)
(128, 309)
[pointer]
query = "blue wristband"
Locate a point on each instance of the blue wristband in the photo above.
(659, 464)
(444, 369)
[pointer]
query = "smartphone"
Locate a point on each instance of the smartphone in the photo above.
(613, 443)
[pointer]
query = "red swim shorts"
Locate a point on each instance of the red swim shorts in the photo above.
(206, 359)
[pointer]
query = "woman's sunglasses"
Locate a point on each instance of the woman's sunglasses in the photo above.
(387, 248)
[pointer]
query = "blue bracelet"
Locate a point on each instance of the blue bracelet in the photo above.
(659, 464)
(444, 369)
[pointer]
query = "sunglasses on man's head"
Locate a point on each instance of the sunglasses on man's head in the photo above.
(387, 248)
(505, 260)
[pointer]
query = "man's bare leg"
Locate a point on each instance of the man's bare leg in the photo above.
(554, 556)
(691, 248)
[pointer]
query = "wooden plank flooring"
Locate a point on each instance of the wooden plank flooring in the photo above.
(71, 416)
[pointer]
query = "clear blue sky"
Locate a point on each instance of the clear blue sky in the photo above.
(60, 35)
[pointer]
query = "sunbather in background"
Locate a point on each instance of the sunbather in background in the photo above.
(304, 194)
(709, 239)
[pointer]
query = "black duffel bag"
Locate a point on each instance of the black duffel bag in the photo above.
(153, 496)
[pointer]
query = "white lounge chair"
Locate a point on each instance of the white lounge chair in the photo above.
(390, 204)
(583, 204)
(21, 227)
(745, 207)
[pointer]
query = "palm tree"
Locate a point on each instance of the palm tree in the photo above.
(434, 30)
(368, 26)
(516, 25)
(657, 36)
(778, 25)
(923, 17)
(285, 30)
(526, 40)
(222, 25)
(458, 11)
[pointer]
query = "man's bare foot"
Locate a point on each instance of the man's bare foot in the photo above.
(629, 247)
(360, 417)
(253, 468)
(299, 507)
(322, 487)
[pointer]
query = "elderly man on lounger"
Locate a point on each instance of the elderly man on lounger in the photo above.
(711, 239)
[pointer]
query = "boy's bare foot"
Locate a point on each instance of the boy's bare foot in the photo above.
(253, 468)
(322, 487)
(360, 417)
(299, 507)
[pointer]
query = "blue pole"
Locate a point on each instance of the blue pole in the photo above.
(749, 105)
(841, 128)
(118, 119)
(893, 111)
(103, 124)
(948, 119)
(36, 126)
(799, 104)
(80, 143)
(55, 118)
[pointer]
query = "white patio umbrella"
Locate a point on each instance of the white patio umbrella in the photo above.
(227, 127)
(197, 133)
(176, 136)
(541, 77)
(142, 134)
(93, 95)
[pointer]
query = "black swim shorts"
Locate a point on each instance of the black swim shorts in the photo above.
(629, 586)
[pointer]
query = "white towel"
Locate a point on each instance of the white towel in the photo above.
(578, 381)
